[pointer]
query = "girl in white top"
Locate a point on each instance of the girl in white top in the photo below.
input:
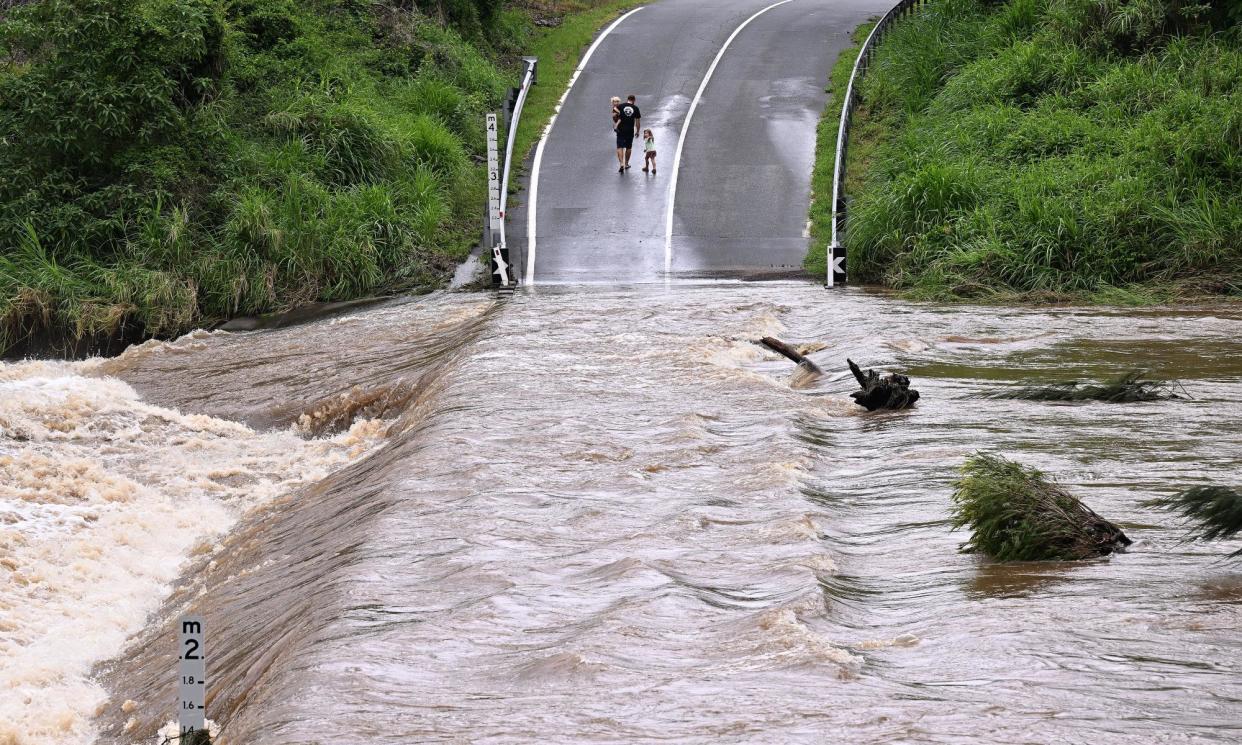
(649, 151)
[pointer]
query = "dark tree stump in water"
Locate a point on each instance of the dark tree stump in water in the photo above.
(889, 392)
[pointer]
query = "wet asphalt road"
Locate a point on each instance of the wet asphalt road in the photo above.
(744, 183)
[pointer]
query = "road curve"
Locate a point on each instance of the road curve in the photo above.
(744, 182)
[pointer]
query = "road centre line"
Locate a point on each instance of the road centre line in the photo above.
(681, 138)
(531, 211)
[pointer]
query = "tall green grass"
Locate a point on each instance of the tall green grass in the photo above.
(171, 162)
(1053, 149)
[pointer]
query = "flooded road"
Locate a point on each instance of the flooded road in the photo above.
(608, 515)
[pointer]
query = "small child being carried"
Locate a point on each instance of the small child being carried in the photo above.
(649, 151)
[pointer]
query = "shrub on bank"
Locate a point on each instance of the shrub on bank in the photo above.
(1055, 148)
(168, 162)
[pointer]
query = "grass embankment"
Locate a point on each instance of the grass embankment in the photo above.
(171, 162)
(1049, 149)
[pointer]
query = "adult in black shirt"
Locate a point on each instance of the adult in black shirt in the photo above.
(628, 124)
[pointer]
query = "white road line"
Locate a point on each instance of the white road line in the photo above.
(531, 211)
(681, 138)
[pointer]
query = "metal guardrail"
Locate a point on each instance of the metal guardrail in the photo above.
(496, 219)
(528, 79)
(836, 251)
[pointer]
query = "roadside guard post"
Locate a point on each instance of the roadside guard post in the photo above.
(836, 265)
(498, 180)
(192, 680)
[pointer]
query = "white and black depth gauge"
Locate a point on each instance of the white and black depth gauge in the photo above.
(192, 677)
(495, 212)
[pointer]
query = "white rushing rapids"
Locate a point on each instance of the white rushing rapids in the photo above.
(102, 498)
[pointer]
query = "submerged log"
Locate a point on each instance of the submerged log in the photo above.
(776, 345)
(889, 392)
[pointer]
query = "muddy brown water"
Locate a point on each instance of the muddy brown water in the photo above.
(608, 516)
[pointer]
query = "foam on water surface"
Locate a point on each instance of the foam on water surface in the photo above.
(102, 498)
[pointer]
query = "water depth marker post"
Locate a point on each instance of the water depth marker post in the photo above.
(192, 682)
(495, 215)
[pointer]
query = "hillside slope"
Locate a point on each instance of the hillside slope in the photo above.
(171, 162)
(1053, 149)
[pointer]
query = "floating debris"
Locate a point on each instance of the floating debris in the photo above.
(1126, 388)
(889, 392)
(1217, 510)
(1016, 514)
(804, 362)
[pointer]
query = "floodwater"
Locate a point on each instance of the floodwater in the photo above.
(607, 515)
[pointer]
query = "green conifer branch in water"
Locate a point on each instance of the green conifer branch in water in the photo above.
(1015, 513)
(1125, 388)
(1215, 511)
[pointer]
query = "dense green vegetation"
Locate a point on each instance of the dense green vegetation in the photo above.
(1016, 514)
(1052, 149)
(170, 162)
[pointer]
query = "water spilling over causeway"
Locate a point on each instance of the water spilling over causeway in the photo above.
(609, 515)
